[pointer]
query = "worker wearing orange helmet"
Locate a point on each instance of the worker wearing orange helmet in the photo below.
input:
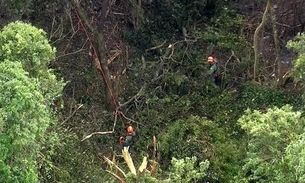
(128, 140)
(214, 71)
(211, 59)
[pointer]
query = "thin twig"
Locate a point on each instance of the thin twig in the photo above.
(71, 115)
(156, 47)
(172, 48)
(114, 56)
(127, 118)
(80, 50)
(71, 21)
(225, 66)
(67, 54)
(228, 60)
(140, 93)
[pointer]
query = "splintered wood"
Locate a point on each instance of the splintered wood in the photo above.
(129, 161)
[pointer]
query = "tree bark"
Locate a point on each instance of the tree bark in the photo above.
(278, 64)
(99, 51)
(256, 38)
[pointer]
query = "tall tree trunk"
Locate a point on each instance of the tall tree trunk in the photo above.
(99, 51)
(278, 64)
(256, 39)
(99, 33)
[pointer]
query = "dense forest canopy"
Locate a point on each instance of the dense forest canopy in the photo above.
(75, 74)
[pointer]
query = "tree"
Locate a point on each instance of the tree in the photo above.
(24, 43)
(295, 157)
(256, 37)
(98, 47)
(24, 120)
(185, 170)
(276, 46)
(27, 88)
(21, 42)
(182, 170)
(274, 148)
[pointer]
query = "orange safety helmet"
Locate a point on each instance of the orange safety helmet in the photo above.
(129, 130)
(210, 59)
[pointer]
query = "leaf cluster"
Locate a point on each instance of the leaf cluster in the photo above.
(275, 139)
(297, 45)
(25, 101)
(187, 170)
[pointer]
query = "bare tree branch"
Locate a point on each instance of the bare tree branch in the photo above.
(72, 53)
(155, 47)
(72, 114)
(106, 132)
(117, 177)
(97, 133)
(136, 96)
(113, 164)
(129, 118)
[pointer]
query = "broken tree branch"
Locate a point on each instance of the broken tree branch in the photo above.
(153, 167)
(95, 133)
(129, 161)
(113, 164)
(116, 176)
(143, 166)
(155, 47)
(106, 132)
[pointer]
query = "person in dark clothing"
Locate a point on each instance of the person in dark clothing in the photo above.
(214, 70)
(128, 140)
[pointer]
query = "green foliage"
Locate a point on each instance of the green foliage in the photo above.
(185, 137)
(297, 44)
(23, 6)
(181, 134)
(27, 87)
(204, 139)
(22, 42)
(24, 120)
(225, 108)
(224, 34)
(262, 97)
(168, 103)
(27, 44)
(165, 20)
(142, 177)
(73, 162)
(176, 78)
(186, 170)
(220, 107)
(270, 134)
(295, 155)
